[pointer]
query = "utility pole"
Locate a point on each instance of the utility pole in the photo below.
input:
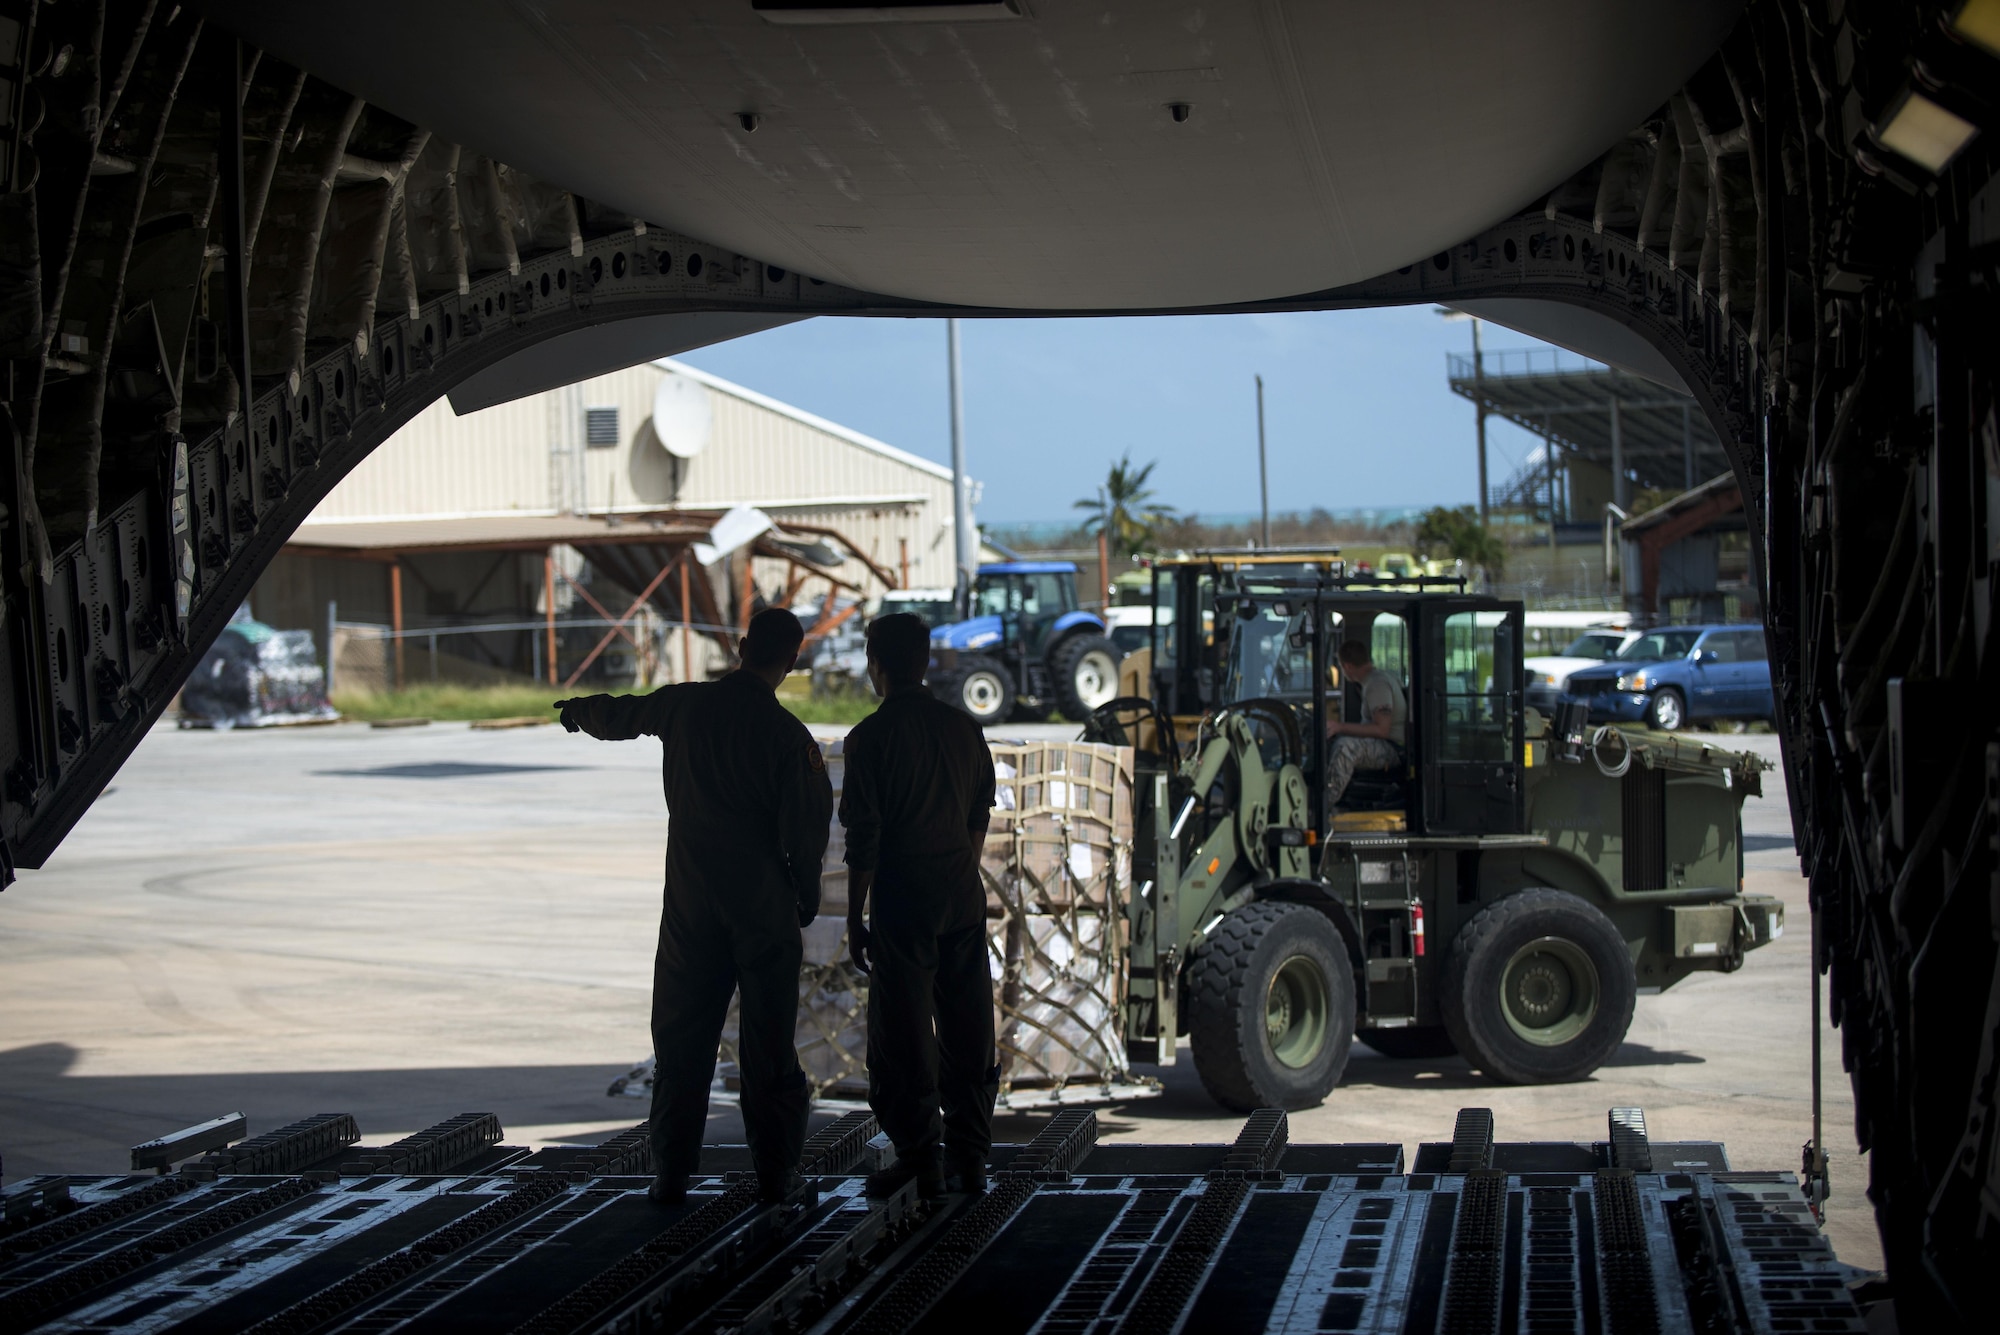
(1549, 458)
(572, 434)
(1479, 404)
(961, 493)
(1263, 479)
(1687, 449)
(1621, 486)
(1103, 567)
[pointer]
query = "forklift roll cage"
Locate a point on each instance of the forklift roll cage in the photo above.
(1465, 734)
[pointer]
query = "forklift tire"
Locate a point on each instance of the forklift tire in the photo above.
(1416, 1043)
(981, 687)
(1539, 989)
(1270, 1007)
(1085, 672)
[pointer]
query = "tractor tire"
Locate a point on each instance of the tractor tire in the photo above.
(1270, 1005)
(1084, 669)
(1539, 989)
(981, 687)
(1419, 1042)
(1667, 711)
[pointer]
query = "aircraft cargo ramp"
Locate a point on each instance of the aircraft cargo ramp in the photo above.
(450, 1230)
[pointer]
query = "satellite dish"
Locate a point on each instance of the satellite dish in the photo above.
(683, 419)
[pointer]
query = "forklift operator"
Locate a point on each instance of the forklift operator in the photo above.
(1375, 744)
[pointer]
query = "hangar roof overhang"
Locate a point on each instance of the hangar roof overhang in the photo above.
(671, 530)
(385, 539)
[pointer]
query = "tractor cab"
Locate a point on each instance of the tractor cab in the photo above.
(1268, 625)
(1029, 598)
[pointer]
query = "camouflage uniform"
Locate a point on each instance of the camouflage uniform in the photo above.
(1344, 755)
(1380, 693)
(748, 812)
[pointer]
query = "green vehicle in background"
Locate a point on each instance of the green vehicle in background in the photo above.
(1505, 893)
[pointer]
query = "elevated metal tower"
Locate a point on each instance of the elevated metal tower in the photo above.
(1605, 433)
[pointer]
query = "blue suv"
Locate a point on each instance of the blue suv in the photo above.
(1676, 674)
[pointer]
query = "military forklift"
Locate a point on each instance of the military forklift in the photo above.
(1026, 649)
(1504, 893)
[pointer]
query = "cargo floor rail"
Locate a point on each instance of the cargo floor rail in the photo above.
(435, 1149)
(289, 1149)
(1049, 1157)
(687, 1255)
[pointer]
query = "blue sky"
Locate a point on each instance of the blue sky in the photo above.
(1358, 414)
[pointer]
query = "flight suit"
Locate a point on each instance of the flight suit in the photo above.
(748, 815)
(915, 800)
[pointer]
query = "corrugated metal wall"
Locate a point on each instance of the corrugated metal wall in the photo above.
(493, 462)
(523, 457)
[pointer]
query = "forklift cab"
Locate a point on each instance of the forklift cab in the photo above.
(1269, 625)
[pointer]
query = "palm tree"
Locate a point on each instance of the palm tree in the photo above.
(1123, 512)
(1458, 533)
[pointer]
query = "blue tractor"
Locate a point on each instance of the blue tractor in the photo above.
(1026, 649)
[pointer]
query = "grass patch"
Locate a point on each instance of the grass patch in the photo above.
(849, 709)
(451, 702)
(465, 703)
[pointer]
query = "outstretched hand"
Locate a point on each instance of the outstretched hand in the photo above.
(563, 715)
(858, 943)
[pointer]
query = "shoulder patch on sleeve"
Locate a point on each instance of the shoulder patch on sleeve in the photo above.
(815, 761)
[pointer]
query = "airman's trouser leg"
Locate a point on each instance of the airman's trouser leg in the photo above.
(692, 980)
(902, 1043)
(968, 1074)
(776, 1099)
(931, 1074)
(701, 960)
(1348, 754)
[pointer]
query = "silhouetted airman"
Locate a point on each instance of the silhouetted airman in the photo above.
(916, 800)
(748, 814)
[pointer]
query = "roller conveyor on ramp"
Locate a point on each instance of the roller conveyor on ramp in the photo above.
(304, 1230)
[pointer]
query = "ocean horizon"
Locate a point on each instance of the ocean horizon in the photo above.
(1371, 516)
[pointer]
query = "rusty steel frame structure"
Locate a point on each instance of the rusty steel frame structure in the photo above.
(674, 531)
(202, 335)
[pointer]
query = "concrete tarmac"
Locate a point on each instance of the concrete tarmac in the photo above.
(408, 924)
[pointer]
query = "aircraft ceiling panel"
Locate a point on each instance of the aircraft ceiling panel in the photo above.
(1033, 162)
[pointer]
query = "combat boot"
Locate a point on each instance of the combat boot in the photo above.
(668, 1189)
(776, 1189)
(924, 1168)
(964, 1174)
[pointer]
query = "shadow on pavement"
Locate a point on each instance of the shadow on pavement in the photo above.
(54, 1121)
(1184, 1100)
(441, 769)
(1764, 843)
(1369, 1068)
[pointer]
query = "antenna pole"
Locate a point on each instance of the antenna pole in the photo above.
(1263, 479)
(961, 486)
(1478, 379)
